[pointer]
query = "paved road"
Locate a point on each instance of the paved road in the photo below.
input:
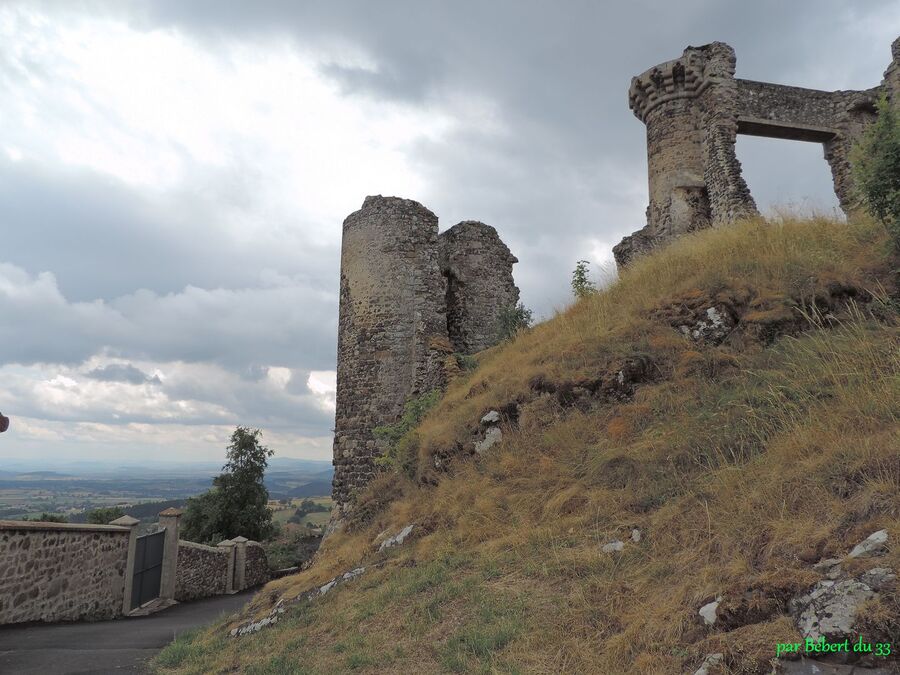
(120, 646)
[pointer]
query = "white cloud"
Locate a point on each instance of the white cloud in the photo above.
(173, 178)
(150, 107)
(323, 384)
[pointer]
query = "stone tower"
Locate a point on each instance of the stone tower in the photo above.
(694, 108)
(394, 327)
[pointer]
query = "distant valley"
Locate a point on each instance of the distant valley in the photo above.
(71, 489)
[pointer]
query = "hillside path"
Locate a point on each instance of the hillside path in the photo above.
(118, 646)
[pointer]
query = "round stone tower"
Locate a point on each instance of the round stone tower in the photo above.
(694, 175)
(392, 329)
(478, 268)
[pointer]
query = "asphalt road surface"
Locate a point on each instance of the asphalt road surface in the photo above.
(118, 646)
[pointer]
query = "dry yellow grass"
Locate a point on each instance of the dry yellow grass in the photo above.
(741, 464)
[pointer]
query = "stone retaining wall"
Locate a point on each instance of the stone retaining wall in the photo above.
(202, 571)
(257, 565)
(61, 571)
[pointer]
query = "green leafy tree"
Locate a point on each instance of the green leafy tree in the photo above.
(876, 168)
(237, 503)
(582, 286)
(104, 515)
(514, 319)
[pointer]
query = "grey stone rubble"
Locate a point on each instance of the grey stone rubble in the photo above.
(409, 299)
(710, 661)
(874, 544)
(830, 567)
(280, 607)
(398, 538)
(714, 328)
(490, 436)
(615, 546)
(491, 417)
(694, 108)
(709, 610)
(830, 608)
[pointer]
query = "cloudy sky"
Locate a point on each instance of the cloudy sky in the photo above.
(174, 174)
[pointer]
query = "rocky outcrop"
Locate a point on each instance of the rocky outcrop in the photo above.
(830, 608)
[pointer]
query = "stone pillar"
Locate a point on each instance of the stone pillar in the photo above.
(477, 267)
(729, 196)
(240, 563)
(228, 546)
(168, 520)
(131, 523)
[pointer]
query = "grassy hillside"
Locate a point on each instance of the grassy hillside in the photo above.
(741, 464)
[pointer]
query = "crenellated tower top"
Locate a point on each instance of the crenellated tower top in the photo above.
(684, 77)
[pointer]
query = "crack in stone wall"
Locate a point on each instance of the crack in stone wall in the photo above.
(395, 328)
(694, 107)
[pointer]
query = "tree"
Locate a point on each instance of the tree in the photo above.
(237, 503)
(582, 286)
(104, 515)
(514, 319)
(876, 168)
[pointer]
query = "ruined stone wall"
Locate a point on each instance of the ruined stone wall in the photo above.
(477, 267)
(694, 108)
(396, 330)
(257, 565)
(61, 572)
(202, 571)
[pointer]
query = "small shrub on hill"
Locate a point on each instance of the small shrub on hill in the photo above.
(401, 443)
(876, 167)
(582, 286)
(513, 320)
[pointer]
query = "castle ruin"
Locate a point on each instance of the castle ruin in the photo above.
(694, 108)
(410, 298)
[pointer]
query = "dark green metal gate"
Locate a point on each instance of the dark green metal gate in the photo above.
(148, 558)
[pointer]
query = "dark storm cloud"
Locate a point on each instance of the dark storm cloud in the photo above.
(290, 325)
(122, 372)
(566, 171)
(102, 238)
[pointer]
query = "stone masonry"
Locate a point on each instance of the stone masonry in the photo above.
(694, 108)
(61, 572)
(256, 566)
(408, 299)
(477, 267)
(75, 572)
(202, 571)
